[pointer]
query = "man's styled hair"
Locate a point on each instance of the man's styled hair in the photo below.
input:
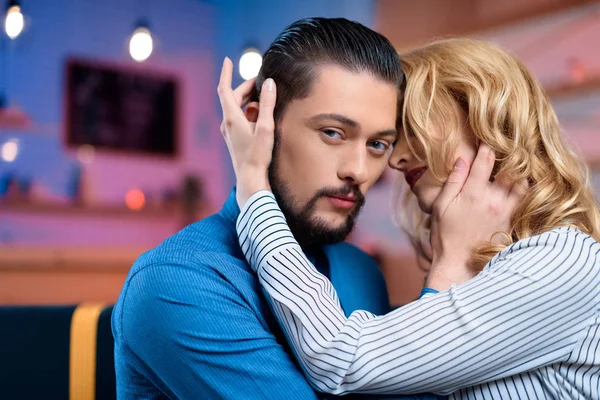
(310, 42)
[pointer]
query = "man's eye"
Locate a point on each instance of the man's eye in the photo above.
(379, 146)
(331, 133)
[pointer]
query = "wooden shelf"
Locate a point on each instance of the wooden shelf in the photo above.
(63, 275)
(568, 89)
(103, 210)
(64, 259)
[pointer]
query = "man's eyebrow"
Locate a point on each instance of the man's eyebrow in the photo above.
(335, 117)
(392, 133)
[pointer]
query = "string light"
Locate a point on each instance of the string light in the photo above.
(14, 21)
(135, 199)
(250, 63)
(9, 151)
(141, 43)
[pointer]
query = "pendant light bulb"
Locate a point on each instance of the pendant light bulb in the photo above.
(14, 21)
(141, 43)
(250, 63)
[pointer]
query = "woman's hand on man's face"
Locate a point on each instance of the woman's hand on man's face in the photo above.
(250, 144)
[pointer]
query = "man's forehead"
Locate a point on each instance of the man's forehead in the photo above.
(354, 95)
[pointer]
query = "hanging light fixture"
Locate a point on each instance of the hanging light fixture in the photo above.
(9, 151)
(11, 116)
(14, 21)
(250, 63)
(141, 43)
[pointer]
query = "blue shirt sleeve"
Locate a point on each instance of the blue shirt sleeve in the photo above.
(197, 338)
(427, 291)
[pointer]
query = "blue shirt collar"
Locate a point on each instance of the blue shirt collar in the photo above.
(231, 210)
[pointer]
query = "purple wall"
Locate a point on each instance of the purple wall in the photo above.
(191, 39)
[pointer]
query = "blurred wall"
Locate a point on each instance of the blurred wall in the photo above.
(99, 30)
(191, 39)
(411, 22)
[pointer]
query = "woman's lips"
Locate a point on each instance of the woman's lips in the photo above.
(413, 175)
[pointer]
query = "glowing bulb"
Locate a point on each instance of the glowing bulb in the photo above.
(135, 199)
(577, 70)
(14, 22)
(141, 44)
(9, 151)
(250, 64)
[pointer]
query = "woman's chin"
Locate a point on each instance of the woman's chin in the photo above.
(425, 206)
(426, 195)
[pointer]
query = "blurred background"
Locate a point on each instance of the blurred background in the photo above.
(109, 120)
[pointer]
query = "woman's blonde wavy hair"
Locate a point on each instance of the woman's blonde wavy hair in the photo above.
(507, 109)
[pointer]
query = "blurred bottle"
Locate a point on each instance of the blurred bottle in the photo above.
(191, 198)
(74, 183)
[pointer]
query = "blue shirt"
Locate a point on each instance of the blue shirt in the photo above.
(191, 321)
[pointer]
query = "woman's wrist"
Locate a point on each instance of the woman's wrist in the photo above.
(447, 271)
(249, 184)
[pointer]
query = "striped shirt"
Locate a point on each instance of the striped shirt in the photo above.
(526, 327)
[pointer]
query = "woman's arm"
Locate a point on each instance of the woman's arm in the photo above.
(525, 310)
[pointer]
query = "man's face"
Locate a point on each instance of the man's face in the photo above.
(330, 148)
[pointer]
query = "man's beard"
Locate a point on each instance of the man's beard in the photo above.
(308, 229)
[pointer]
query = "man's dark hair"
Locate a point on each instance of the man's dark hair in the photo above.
(292, 57)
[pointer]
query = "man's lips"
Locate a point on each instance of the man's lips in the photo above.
(413, 175)
(342, 201)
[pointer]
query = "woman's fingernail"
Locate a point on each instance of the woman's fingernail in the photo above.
(269, 85)
(460, 163)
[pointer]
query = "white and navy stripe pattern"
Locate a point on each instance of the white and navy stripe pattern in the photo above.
(527, 327)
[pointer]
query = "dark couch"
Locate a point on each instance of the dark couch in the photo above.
(35, 353)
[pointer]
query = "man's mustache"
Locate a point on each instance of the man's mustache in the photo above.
(343, 191)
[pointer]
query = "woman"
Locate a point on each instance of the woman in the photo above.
(510, 314)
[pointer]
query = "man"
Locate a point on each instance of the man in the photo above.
(191, 321)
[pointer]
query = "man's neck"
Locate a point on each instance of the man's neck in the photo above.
(316, 255)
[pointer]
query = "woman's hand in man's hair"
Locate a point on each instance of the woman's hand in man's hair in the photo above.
(250, 143)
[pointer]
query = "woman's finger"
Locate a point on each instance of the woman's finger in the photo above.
(243, 93)
(453, 186)
(481, 170)
(228, 103)
(232, 112)
(502, 185)
(264, 130)
(518, 192)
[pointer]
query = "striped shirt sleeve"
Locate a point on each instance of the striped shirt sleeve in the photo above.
(525, 310)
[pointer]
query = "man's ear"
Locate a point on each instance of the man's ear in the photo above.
(251, 111)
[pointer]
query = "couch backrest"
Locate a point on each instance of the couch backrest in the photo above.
(35, 353)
